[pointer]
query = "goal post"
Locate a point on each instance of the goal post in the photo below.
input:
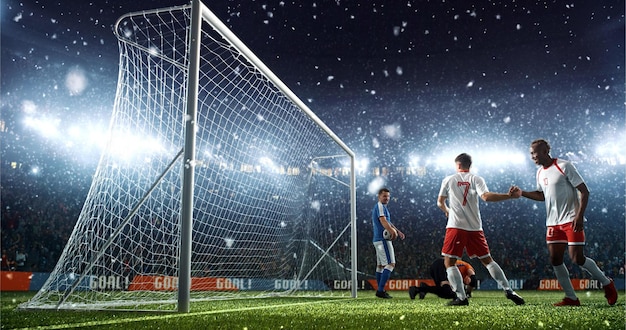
(216, 181)
(186, 223)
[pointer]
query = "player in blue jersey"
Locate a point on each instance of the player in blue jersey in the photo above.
(566, 195)
(385, 256)
(464, 231)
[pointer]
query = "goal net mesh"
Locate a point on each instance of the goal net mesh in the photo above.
(271, 213)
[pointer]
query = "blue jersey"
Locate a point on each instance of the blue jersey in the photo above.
(378, 210)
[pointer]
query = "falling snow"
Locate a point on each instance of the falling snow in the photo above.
(413, 78)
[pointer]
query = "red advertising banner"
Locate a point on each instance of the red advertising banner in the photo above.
(15, 281)
(400, 284)
(579, 284)
(27, 281)
(170, 283)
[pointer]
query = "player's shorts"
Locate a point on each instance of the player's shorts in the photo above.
(384, 253)
(474, 243)
(564, 233)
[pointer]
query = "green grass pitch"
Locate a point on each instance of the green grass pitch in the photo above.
(487, 310)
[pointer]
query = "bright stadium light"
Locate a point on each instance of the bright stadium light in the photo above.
(96, 137)
(47, 127)
(612, 151)
(128, 146)
(77, 135)
(361, 165)
(74, 132)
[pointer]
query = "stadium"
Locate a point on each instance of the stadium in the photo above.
(247, 191)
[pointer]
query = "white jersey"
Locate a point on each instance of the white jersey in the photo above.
(462, 191)
(558, 183)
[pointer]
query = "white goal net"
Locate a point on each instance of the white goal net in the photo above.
(273, 188)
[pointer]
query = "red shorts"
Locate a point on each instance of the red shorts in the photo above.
(474, 242)
(565, 234)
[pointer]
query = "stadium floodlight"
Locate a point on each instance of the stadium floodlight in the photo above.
(179, 225)
(47, 127)
(611, 149)
(362, 165)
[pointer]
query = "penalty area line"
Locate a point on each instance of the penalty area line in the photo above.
(175, 315)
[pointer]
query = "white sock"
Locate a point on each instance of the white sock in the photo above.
(562, 275)
(498, 274)
(456, 282)
(592, 268)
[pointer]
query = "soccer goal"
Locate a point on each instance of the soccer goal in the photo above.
(217, 182)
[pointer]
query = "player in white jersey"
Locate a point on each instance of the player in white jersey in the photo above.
(464, 230)
(559, 185)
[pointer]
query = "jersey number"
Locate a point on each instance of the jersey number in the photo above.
(465, 191)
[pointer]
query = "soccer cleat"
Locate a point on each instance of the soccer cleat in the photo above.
(610, 293)
(413, 290)
(383, 294)
(422, 290)
(512, 295)
(568, 302)
(458, 302)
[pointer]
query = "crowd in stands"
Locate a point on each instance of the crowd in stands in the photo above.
(39, 212)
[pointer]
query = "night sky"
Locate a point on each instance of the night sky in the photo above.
(392, 79)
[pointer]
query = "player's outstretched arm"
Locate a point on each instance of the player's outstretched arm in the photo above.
(534, 195)
(515, 191)
(495, 197)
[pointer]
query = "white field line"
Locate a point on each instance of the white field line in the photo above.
(175, 315)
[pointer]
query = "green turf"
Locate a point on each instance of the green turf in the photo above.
(487, 310)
